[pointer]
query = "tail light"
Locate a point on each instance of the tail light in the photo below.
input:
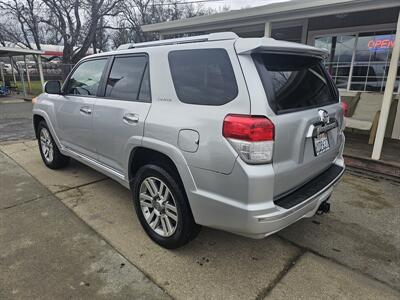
(251, 136)
(345, 107)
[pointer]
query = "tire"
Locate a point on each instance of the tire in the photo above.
(178, 232)
(52, 158)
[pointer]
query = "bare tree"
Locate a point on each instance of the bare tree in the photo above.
(21, 23)
(121, 35)
(77, 23)
(135, 13)
(102, 37)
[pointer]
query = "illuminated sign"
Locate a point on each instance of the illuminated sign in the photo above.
(381, 42)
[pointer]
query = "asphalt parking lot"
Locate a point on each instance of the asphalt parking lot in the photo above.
(73, 233)
(71, 230)
(15, 119)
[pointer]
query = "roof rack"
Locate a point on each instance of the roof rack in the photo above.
(219, 36)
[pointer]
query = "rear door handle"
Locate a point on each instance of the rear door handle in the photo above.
(130, 118)
(86, 110)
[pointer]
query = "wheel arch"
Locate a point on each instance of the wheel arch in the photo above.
(39, 115)
(141, 156)
(36, 121)
(156, 151)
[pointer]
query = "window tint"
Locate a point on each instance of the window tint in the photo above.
(203, 76)
(294, 82)
(86, 78)
(126, 76)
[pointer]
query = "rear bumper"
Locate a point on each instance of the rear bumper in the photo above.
(268, 216)
(290, 209)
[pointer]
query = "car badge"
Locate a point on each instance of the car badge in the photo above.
(323, 116)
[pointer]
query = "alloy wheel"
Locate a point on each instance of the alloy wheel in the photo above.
(46, 145)
(158, 206)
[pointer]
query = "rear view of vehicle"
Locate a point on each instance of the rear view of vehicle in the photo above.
(297, 130)
(289, 145)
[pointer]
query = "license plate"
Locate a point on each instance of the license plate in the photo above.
(321, 143)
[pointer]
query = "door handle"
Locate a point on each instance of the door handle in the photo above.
(130, 118)
(86, 110)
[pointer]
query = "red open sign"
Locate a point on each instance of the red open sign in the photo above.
(383, 43)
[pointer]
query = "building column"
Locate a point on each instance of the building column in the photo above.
(388, 95)
(28, 76)
(304, 32)
(268, 29)
(40, 67)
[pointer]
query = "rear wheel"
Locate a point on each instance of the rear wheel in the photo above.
(162, 207)
(49, 151)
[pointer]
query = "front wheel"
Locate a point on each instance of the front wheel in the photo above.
(49, 151)
(162, 207)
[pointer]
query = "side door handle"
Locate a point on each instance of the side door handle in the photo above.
(129, 118)
(86, 110)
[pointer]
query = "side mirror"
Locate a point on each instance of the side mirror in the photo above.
(52, 87)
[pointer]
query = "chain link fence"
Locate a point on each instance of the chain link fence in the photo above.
(18, 75)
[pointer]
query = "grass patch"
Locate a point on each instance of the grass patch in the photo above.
(36, 87)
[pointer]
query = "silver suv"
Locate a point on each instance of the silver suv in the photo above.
(239, 134)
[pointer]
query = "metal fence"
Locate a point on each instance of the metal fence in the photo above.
(20, 75)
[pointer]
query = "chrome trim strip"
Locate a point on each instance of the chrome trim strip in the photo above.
(94, 162)
(314, 130)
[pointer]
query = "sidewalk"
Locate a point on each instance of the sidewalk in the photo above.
(352, 253)
(47, 252)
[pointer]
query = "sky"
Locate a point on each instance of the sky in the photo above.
(237, 4)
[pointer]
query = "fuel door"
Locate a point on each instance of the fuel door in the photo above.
(188, 140)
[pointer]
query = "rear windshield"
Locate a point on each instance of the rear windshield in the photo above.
(203, 76)
(294, 82)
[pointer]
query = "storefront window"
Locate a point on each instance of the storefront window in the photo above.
(370, 64)
(340, 56)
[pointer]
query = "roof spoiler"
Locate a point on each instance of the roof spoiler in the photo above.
(257, 45)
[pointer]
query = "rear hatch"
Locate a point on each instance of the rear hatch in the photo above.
(302, 102)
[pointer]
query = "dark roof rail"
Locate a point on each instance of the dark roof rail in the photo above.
(219, 36)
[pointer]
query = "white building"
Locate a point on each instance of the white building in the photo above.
(360, 36)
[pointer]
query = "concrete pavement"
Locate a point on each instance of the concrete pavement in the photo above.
(15, 119)
(355, 248)
(314, 277)
(47, 252)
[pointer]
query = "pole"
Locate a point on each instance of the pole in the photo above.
(12, 71)
(21, 75)
(40, 67)
(28, 76)
(388, 95)
(2, 73)
(267, 29)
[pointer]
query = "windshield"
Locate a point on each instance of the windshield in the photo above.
(294, 82)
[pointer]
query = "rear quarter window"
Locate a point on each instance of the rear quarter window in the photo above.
(203, 76)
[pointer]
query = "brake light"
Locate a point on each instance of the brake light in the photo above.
(345, 108)
(248, 128)
(251, 136)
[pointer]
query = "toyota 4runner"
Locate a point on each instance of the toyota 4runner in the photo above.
(239, 134)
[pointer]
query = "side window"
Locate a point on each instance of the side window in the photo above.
(129, 79)
(203, 76)
(86, 78)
